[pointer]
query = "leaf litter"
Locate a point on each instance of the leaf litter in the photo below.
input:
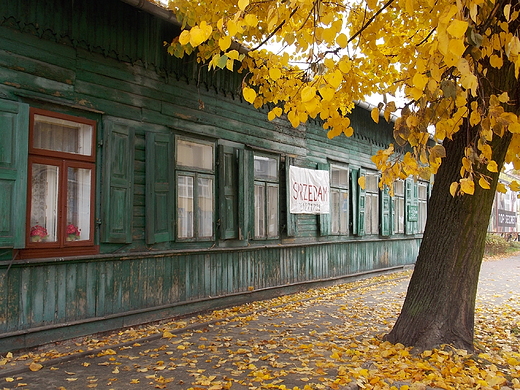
(325, 338)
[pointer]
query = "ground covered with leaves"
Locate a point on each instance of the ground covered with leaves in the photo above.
(329, 338)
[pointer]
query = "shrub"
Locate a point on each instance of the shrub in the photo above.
(496, 244)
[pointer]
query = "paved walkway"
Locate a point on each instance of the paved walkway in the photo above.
(292, 341)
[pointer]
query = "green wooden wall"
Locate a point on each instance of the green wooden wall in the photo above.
(51, 300)
(87, 58)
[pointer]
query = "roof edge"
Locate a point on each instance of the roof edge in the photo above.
(155, 10)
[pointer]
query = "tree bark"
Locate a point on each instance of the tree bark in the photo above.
(440, 302)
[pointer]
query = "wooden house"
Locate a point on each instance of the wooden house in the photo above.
(135, 186)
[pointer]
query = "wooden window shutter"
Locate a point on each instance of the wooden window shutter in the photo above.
(361, 199)
(228, 192)
(411, 207)
(246, 208)
(353, 188)
(324, 220)
(386, 221)
(118, 183)
(159, 188)
(14, 125)
(291, 219)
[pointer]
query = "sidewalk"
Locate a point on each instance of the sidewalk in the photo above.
(319, 339)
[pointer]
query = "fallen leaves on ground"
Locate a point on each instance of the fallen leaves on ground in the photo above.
(327, 338)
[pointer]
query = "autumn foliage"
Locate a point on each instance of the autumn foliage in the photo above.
(439, 54)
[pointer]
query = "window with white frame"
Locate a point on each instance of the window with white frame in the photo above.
(266, 175)
(61, 181)
(422, 200)
(195, 189)
(339, 211)
(398, 206)
(371, 204)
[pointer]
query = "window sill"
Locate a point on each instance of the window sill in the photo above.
(34, 253)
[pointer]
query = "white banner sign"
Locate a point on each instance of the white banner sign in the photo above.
(308, 191)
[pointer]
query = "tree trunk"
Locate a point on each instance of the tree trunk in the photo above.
(440, 302)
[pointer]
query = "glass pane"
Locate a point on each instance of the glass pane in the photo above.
(339, 176)
(368, 214)
(193, 154)
(272, 211)
(343, 213)
(423, 193)
(62, 135)
(399, 188)
(259, 210)
(372, 183)
(398, 205)
(334, 212)
(266, 168)
(78, 204)
(205, 207)
(185, 206)
(44, 203)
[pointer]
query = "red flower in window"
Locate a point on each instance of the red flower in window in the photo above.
(38, 233)
(73, 233)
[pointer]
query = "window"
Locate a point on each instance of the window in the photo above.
(371, 204)
(339, 199)
(422, 200)
(61, 181)
(266, 197)
(398, 207)
(195, 190)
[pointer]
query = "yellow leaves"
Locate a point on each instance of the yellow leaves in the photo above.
(454, 187)
(342, 40)
(275, 73)
(274, 113)
(457, 28)
(483, 183)
(375, 114)
(492, 166)
(334, 79)
(420, 80)
(467, 186)
(438, 151)
(327, 93)
(362, 182)
(308, 93)
(496, 61)
(242, 4)
(224, 42)
(249, 94)
(35, 367)
(501, 188)
(197, 34)
(514, 186)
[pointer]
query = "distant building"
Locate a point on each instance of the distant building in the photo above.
(504, 216)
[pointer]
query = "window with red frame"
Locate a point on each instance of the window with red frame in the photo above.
(61, 182)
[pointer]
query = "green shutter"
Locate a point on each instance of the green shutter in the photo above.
(292, 219)
(354, 175)
(411, 206)
(118, 183)
(245, 193)
(159, 188)
(228, 193)
(361, 199)
(14, 133)
(385, 213)
(325, 219)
